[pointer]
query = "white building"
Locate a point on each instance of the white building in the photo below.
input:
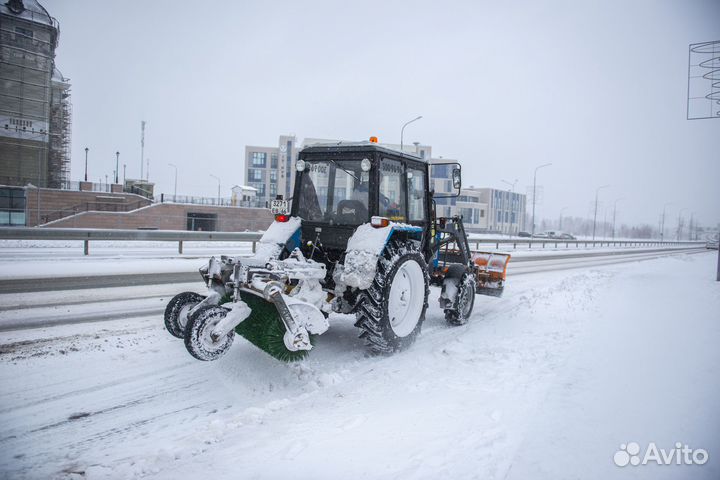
(492, 210)
(242, 195)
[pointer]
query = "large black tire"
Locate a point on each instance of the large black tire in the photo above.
(383, 322)
(176, 312)
(197, 334)
(464, 302)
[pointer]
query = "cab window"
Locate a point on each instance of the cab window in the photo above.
(416, 195)
(392, 190)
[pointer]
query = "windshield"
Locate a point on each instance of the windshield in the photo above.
(334, 191)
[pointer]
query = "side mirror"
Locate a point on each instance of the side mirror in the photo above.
(456, 179)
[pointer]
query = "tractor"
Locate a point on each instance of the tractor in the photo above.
(359, 236)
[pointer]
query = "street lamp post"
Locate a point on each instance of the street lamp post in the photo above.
(561, 217)
(662, 222)
(402, 130)
(690, 225)
(218, 179)
(117, 166)
(176, 171)
(597, 192)
(679, 228)
(86, 154)
(124, 167)
(614, 214)
(534, 195)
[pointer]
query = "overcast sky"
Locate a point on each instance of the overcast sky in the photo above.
(598, 88)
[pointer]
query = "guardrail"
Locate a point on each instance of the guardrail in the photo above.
(180, 236)
(97, 234)
(594, 243)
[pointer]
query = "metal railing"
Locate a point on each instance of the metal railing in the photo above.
(558, 243)
(210, 201)
(92, 207)
(180, 236)
(96, 234)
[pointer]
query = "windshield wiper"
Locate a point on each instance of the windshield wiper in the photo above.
(341, 168)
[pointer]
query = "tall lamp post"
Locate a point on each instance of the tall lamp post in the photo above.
(662, 222)
(597, 192)
(534, 195)
(561, 217)
(402, 130)
(679, 229)
(117, 166)
(86, 153)
(218, 180)
(175, 190)
(690, 226)
(614, 214)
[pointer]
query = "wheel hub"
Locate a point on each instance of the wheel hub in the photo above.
(406, 298)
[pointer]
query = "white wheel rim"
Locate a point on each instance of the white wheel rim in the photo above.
(407, 295)
(205, 334)
(183, 315)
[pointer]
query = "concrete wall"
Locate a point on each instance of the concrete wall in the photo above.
(169, 216)
(53, 200)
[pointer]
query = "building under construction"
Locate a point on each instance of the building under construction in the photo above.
(35, 109)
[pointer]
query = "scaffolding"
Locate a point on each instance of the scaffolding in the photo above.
(35, 108)
(60, 131)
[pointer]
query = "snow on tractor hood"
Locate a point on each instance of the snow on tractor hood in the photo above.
(363, 250)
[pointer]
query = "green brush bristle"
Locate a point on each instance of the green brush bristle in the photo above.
(264, 329)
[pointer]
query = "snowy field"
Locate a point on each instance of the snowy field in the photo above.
(547, 382)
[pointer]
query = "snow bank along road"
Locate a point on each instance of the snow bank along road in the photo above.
(546, 382)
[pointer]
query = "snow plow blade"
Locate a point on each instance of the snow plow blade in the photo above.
(265, 329)
(491, 271)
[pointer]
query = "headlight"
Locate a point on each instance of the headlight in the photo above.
(300, 165)
(365, 165)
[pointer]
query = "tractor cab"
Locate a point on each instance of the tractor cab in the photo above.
(339, 187)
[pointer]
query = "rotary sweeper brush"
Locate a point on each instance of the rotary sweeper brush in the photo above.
(362, 237)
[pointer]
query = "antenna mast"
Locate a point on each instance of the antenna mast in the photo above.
(142, 147)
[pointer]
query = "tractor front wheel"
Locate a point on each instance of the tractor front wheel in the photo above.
(392, 310)
(198, 334)
(176, 312)
(464, 302)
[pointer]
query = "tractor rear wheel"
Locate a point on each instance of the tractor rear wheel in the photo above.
(464, 302)
(391, 312)
(198, 338)
(176, 312)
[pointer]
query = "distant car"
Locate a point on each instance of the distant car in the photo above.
(567, 236)
(524, 234)
(711, 245)
(540, 235)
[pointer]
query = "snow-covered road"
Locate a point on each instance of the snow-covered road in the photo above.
(546, 382)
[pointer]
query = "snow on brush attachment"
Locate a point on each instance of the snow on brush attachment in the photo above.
(362, 238)
(274, 304)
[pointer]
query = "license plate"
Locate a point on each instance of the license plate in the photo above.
(279, 207)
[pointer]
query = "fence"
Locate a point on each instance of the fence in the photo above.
(211, 201)
(91, 207)
(180, 236)
(577, 243)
